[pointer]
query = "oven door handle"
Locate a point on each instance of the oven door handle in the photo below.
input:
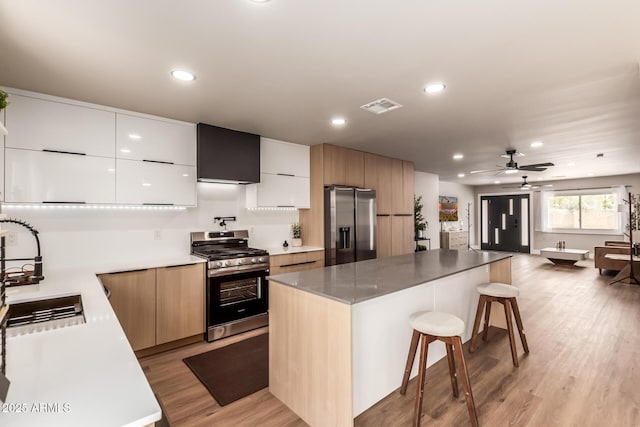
(238, 269)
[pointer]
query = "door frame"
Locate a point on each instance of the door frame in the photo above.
(506, 193)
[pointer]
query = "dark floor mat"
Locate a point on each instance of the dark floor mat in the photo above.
(233, 371)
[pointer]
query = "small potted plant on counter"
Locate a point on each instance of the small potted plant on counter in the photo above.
(3, 104)
(296, 230)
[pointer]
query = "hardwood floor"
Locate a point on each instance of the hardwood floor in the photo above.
(583, 368)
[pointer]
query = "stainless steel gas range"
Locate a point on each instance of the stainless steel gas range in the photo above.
(237, 292)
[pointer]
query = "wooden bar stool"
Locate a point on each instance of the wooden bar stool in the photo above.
(432, 326)
(505, 295)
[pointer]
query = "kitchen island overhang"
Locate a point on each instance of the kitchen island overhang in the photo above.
(339, 335)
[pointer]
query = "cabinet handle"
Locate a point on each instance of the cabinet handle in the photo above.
(129, 271)
(297, 263)
(63, 152)
(285, 206)
(158, 204)
(158, 161)
(64, 203)
(383, 215)
(285, 174)
(402, 214)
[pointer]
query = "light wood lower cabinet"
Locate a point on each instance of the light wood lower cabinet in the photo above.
(133, 298)
(158, 305)
(289, 263)
(179, 303)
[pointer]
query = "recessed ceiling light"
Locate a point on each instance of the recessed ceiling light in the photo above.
(497, 182)
(458, 156)
(536, 144)
(590, 174)
(185, 174)
(571, 164)
(511, 171)
(125, 150)
(260, 1)
(146, 184)
(434, 87)
(460, 175)
(183, 75)
(338, 121)
(111, 170)
(134, 136)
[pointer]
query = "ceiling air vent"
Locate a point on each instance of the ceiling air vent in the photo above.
(380, 106)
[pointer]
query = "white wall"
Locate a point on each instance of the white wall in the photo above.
(465, 195)
(427, 186)
(77, 236)
(575, 241)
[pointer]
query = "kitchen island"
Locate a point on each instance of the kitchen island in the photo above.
(339, 336)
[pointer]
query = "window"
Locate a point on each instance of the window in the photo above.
(585, 211)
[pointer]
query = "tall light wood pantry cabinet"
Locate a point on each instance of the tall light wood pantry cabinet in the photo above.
(393, 180)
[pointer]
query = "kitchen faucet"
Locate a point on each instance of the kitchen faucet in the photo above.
(37, 276)
(223, 220)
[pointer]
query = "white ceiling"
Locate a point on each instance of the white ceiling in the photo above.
(562, 72)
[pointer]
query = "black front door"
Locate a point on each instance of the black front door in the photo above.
(505, 223)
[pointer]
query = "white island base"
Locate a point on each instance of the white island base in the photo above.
(330, 361)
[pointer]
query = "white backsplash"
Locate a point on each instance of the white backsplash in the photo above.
(75, 237)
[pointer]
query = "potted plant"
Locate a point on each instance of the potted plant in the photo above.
(420, 224)
(296, 230)
(3, 104)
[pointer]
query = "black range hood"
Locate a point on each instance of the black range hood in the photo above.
(227, 156)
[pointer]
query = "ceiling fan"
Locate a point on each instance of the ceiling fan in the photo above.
(512, 166)
(524, 185)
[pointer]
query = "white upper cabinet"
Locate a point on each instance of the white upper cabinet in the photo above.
(279, 191)
(278, 157)
(142, 183)
(38, 124)
(139, 138)
(37, 176)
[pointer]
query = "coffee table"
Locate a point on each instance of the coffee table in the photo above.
(564, 256)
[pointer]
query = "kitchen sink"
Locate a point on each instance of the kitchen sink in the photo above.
(44, 315)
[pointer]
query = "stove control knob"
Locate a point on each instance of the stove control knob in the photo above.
(254, 260)
(219, 264)
(261, 259)
(240, 261)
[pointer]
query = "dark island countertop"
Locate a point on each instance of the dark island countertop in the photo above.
(360, 281)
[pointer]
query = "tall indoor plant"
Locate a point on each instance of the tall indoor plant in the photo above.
(420, 224)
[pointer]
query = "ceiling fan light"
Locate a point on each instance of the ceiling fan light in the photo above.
(511, 171)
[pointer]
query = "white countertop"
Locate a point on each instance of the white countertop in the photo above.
(79, 375)
(292, 250)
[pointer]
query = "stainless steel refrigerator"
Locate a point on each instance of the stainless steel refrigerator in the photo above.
(349, 224)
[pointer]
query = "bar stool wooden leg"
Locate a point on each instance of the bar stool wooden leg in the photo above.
(516, 313)
(487, 315)
(422, 371)
(466, 385)
(509, 321)
(476, 324)
(452, 370)
(410, 358)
